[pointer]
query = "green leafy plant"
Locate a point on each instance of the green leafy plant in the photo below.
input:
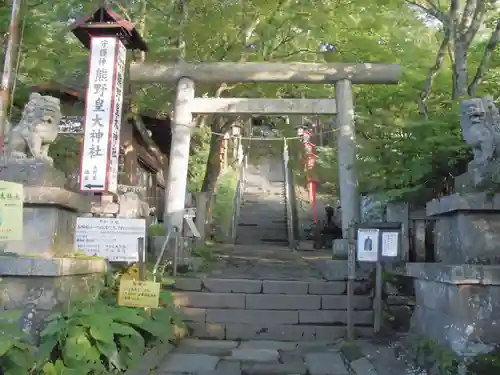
(16, 353)
(156, 230)
(101, 338)
(485, 363)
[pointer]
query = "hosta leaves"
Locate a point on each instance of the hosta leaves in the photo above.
(110, 351)
(77, 344)
(122, 329)
(5, 345)
(133, 346)
(103, 333)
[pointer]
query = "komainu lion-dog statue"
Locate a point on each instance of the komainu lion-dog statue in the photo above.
(36, 131)
(480, 123)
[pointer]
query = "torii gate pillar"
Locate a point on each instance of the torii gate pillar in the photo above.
(346, 148)
(182, 125)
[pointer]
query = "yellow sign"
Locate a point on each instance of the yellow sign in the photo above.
(135, 293)
(11, 211)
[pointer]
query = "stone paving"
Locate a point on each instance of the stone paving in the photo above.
(210, 357)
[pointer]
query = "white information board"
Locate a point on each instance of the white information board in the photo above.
(367, 245)
(112, 238)
(390, 241)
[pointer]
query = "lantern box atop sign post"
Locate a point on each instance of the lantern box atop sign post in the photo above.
(108, 37)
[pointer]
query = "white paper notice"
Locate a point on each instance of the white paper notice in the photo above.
(390, 241)
(367, 245)
(115, 239)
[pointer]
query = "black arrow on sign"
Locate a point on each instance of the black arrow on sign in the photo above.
(90, 186)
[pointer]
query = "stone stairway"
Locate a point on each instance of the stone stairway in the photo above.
(270, 297)
(262, 216)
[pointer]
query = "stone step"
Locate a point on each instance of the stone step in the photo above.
(270, 318)
(268, 286)
(269, 301)
(282, 332)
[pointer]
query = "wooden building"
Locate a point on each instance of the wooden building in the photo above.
(144, 143)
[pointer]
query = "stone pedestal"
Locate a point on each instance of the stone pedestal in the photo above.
(467, 228)
(39, 286)
(458, 306)
(340, 249)
(31, 172)
(50, 211)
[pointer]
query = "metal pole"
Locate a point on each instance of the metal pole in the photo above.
(8, 67)
(176, 252)
(351, 276)
(377, 323)
(142, 259)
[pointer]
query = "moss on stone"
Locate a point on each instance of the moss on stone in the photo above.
(485, 364)
(351, 351)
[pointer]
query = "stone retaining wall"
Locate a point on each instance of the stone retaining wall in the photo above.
(38, 286)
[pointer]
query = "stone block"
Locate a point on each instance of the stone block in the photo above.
(40, 286)
(188, 284)
(232, 285)
(340, 302)
(467, 228)
(340, 249)
(334, 317)
(457, 306)
(51, 267)
(210, 300)
(330, 333)
(467, 301)
(363, 366)
(331, 287)
(325, 364)
(207, 331)
(193, 314)
(284, 287)
(268, 344)
(188, 363)
(254, 355)
(210, 347)
(283, 302)
(331, 270)
(271, 317)
(274, 368)
(31, 172)
(363, 332)
(49, 221)
(227, 368)
(278, 332)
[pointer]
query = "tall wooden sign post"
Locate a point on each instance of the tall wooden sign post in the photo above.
(108, 37)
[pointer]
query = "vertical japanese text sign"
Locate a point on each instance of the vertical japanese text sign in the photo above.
(103, 114)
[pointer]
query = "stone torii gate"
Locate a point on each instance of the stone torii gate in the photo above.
(186, 74)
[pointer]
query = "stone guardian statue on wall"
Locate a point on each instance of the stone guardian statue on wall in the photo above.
(480, 123)
(36, 131)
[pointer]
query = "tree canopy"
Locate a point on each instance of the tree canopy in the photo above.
(408, 134)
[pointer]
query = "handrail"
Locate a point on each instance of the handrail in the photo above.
(290, 201)
(238, 197)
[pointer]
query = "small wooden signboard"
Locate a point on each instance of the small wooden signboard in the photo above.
(135, 293)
